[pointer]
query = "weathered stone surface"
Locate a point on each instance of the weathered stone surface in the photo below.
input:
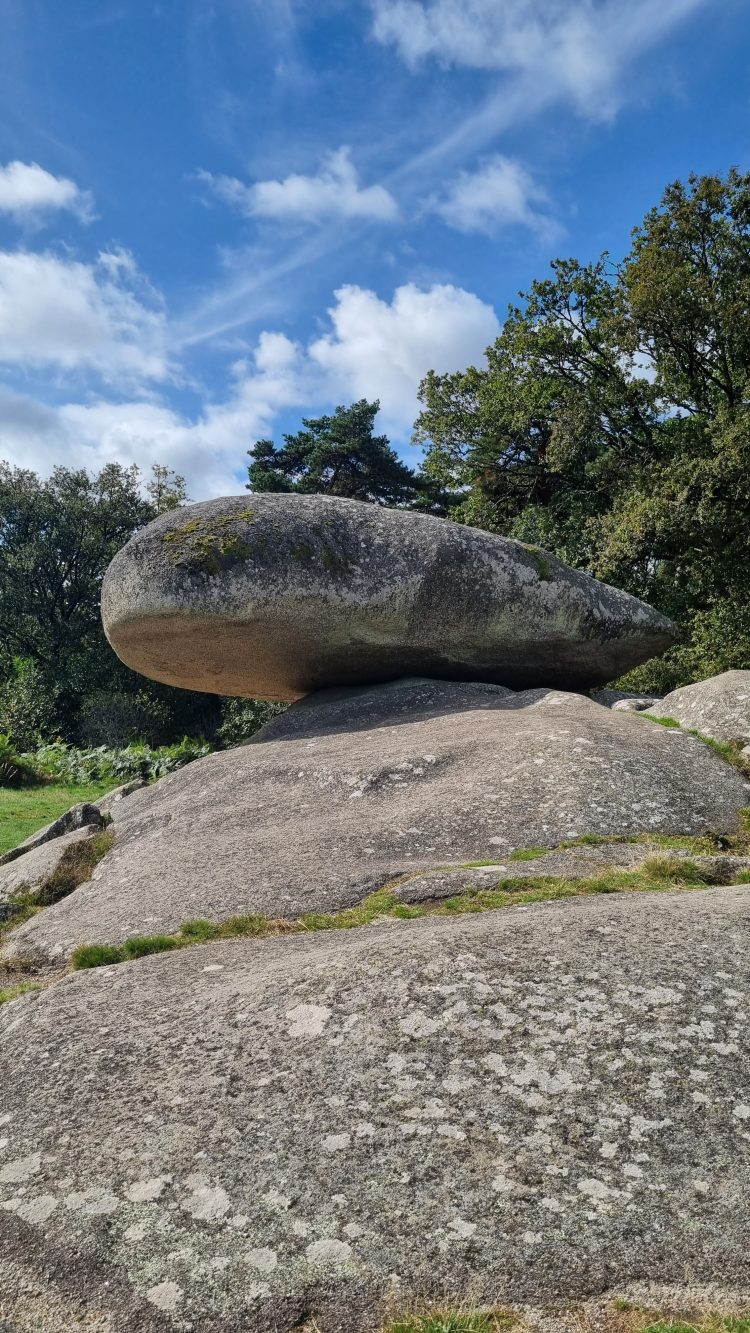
(718, 707)
(29, 872)
(274, 596)
(78, 817)
(523, 1106)
(629, 703)
(107, 805)
(349, 789)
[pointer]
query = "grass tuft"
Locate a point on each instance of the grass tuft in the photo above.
(75, 866)
(96, 955)
(140, 946)
(529, 854)
(9, 993)
(453, 1321)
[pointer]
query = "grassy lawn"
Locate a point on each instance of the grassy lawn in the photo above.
(23, 812)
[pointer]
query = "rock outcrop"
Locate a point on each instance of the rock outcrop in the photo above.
(28, 873)
(349, 789)
(79, 816)
(718, 708)
(262, 1135)
(274, 596)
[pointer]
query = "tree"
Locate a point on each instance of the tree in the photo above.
(339, 455)
(57, 537)
(611, 422)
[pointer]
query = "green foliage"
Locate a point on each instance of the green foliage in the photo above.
(75, 866)
(611, 424)
(140, 946)
(57, 538)
(340, 455)
(8, 993)
(65, 763)
(15, 770)
(452, 1321)
(241, 718)
(27, 704)
(96, 955)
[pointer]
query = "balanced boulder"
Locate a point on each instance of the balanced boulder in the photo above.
(274, 596)
(349, 789)
(519, 1107)
(718, 707)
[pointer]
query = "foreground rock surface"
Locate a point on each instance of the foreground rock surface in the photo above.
(521, 1106)
(349, 789)
(718, 707)
(274, 596)
(28, 873)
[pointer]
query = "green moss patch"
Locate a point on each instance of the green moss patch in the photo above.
(9, 993)
(210, 546)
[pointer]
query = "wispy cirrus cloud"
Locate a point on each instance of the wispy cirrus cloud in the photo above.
(579, 49)
(29, 194)
(334, 192)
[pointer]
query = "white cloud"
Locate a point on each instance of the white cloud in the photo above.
(72, 316)
(578, 48)
(377, 349)
(501, 193)
(28, 192)
(373, 349)
(334, 193)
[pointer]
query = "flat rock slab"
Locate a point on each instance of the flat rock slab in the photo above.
(274, 596)
(29, 872)
(718, 707)
(349, 790)
(522, 1106)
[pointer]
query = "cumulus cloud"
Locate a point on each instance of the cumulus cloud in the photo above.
(28, 193)
(373, 348)
(500, 193)
(334, 193)
(381, 349)
(578, 48)
(73, 316)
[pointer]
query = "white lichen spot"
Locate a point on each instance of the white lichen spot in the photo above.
(336, 1142)
(145, 1191)
(352, 1230)
(531, 1237)
(742, 1112)
(595, 1189)
(280, 1203)
(207, 1203)
(165, 1296)
(461, 1229)
(608, 1150)
(20, 1169)
(263, 1260)
(328, 1252)
(93, 1202)
(308, 1020)
(450, 1132)
(496, 1064)
(418, 1024)
(300, 1228)
(37, 1210)
(136, 1232)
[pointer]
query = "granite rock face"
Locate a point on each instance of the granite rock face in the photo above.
(718, 707)
(274, 596)
(350, 789)
(517, 1107)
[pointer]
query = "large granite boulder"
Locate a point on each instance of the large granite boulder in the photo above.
(718, 707)
(349, 789)
(517, 1107)
(273, 596)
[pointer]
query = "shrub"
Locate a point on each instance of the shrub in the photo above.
(241, 718)
(27, 705)
(112, 718)
(65, 763)
(15, 770)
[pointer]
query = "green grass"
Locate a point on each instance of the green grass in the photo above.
(661, 721)
(529, 854)
(655, 875)
(9, 993)
(452, 1321)
(23, 812)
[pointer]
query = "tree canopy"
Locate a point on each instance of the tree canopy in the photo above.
(339, 455)
(611, 422)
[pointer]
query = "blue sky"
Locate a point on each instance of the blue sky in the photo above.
(220, 216)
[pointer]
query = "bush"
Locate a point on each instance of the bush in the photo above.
(112, 718)
(27, 705)
(60, 762)
(241, 718)
(15, 770)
